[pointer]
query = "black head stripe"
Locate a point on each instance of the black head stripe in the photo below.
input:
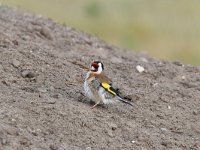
(102, 66)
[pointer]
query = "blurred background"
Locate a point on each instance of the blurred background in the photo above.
(165, 29)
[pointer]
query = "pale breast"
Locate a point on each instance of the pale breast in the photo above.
(94, 91)
(89, 87)
(87, 90)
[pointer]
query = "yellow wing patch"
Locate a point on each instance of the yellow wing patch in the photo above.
(107, 87)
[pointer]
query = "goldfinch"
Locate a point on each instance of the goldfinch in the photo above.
(98, 87)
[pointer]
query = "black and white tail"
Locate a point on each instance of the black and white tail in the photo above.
(122, 99)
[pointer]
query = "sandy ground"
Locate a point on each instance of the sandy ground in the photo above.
(43, 107)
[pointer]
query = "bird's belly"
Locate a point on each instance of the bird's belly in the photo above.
(104, 96)
(87, 90)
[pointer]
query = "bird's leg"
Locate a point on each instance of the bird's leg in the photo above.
(94, 105)
(97, 102)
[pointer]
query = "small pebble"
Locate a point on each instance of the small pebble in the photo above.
(34, 133)
(49, 101)
(163, 129)
(51, 88)
(133, 142)
(143, 59)
(177, 63)
(88, 148)
(6, 82)
(155, 84)
(46, 33)
(113, 126)
(183, 77)
(164, 143)
(42, 90)
(13, 120)
(53, 147)
(4, 141)
(110, 134)
(195, 112)
(23, 141)
(12, 131)
(140, 69)
(57, 96)
(28, 74)
(169, 107)
(25, 38)
(15, 42)
(16, 63)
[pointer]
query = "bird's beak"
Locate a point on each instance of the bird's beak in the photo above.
(92, 68)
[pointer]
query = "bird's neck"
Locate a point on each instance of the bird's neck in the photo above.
(91, 76)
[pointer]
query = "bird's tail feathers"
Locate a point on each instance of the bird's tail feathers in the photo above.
(123, 100)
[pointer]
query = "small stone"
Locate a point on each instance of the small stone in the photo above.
(155, 84)
(42, 90)
(164, 143)
(183, 77)
(163, 129)
(25, 73)
(88, 148)
(13, 120)
(6, 82)
(28, 74)
(12, 131)
(23, 141)
(16, 63)
(113, 126)
(133, 142)
(51, 88)
(109, 132)
(50, 101)
(25, 37)
(57, 96)
(143, 59)
(195, 112)
(38, 130)
(4, 141)
(34, 133)
(177, 129)
(178, 63)
(169, 107)
(15, 42)
(140, 69)
(53, 147)
(46, 33)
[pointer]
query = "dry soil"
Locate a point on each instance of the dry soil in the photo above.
(42, 103)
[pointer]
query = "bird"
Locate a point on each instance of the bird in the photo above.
(98, 87)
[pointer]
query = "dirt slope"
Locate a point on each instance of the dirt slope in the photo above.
(42, 105)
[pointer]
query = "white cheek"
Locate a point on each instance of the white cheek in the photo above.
(99, 70)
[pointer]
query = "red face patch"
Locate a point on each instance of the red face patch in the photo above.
(95, 65)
